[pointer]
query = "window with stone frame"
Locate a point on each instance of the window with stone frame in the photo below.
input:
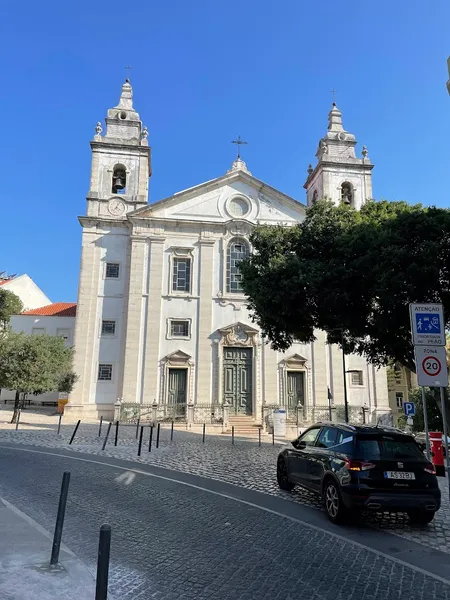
(181, 274)
(108, 327)
(112, 270)
(357, 378)
(105, 372)
(179, 328)
(238, 249)
(399, 399)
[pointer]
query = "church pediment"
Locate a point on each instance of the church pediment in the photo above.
(178, 358)
(238, 334)
(235, 196)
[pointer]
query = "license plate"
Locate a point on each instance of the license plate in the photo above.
(398, 475)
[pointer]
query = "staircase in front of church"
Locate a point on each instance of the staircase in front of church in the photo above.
(244, 425)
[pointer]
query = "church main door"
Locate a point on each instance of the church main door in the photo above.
(237, 379)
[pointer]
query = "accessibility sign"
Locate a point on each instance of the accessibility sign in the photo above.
(427, 324)
(409, 409)
(431, 366)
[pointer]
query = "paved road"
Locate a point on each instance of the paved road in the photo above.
(177, 536)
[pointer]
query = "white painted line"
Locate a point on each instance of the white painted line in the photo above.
(253, 505)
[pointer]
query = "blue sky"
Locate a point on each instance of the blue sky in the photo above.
(204, 71)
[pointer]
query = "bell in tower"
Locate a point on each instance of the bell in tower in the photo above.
(119, 180)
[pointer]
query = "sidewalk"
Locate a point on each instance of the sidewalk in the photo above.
(25, 573)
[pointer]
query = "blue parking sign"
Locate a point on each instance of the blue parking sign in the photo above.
(409, 408)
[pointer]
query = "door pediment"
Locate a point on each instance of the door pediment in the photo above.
(178, 359)
(238, 334)
(296, 361)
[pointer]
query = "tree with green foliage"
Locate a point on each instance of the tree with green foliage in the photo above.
(10, 304)
(433, 413)
(34, 364)
(350, 273)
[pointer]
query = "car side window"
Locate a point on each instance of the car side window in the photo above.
(309, 437)
(345, 441)
(327, 437)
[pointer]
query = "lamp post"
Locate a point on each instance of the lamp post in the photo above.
(345, 377)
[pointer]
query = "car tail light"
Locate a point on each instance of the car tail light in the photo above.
(358, 465)
(430, 469)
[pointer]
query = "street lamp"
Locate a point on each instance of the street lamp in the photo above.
(344, 370)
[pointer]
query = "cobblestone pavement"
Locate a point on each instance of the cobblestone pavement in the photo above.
(244, 464)
(172, 542)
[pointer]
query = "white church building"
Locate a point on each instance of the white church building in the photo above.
(161, 317)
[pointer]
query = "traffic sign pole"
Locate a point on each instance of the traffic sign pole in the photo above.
(425, 420)
(444, 422)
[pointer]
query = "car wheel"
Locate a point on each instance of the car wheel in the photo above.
(282, 476)
(334, 507)
(420, 517)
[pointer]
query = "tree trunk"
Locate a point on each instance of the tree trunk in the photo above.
(16, 407)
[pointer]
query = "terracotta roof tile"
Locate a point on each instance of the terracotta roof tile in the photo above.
(58, 309)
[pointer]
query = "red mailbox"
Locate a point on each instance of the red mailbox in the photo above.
(437, 452)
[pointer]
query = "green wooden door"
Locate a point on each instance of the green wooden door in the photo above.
(295, 388)
(237, 379)
(177, 387)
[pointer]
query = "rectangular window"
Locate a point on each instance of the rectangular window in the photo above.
(38, 331)
(399, 399)
(112, 270)
(179, 329)
(181, 277)
(104, 372)
(357, 378)
(108, 327)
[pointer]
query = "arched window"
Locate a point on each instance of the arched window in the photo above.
(347, 193)
(237, 250)
(314, 198)
(119, 180)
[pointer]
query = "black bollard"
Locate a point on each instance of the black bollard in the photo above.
(232, 434)
(104, 546)
(140, 440)
(259, 436)
(157, 434)
(273, 436)
(17, 419)
(60, 518)
(59, 423)
(106, 436)
(117, 433)
(151, 439)
(171, 432)
(204, 430)
(137, 427)
(100, 426)
(74, 431)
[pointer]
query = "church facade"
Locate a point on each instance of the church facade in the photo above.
(161, 317)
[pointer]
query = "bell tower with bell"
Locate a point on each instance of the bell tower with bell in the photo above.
(121, 162)
(339, 176)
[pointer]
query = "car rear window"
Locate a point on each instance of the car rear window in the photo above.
(387, 447)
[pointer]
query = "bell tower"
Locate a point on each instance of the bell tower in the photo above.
(339, 174)
(121, 162)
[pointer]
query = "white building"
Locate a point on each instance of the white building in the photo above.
(25, 288)
(161, 316)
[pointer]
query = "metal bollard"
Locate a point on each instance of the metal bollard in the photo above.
(59, 423)
(232, 435)
(100, 426)
(106, 436)
(104, 547)
(157, 434)
(171, 432)
(137, 427)
(204, 430)
(117, 433)
(259, 436)
(151, 439)
(18, 419)
(60, 518)
(273, 436)
(74, 431)
(140, 440)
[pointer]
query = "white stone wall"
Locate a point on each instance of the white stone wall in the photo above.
(30, 294)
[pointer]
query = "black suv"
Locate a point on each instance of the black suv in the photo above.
(362, 468)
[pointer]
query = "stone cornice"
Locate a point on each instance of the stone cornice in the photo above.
(359, 166)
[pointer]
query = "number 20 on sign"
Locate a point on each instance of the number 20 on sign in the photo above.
(431, 364)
